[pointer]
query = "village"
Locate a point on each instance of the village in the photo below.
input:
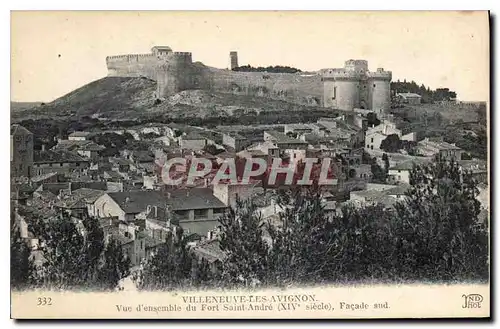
(126, 193)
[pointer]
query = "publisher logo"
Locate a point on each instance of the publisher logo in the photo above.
(472, 301)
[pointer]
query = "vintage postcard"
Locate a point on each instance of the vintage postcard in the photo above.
(259, 165)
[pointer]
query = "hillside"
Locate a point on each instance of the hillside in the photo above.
(21, 106)
(105, 96)
(133, 98)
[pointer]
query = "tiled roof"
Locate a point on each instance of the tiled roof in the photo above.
(120, 238)
(281, 138)
(409, 164)
(39, 178)
(193, 136)
(73, 145)
(134, 202)
(404, 95)
(50, 156)
(56, 187)
(16, 129)
(201, 227)
(79, 134)
(209, 250)
(235, 135)
(438, 145)
(45, 195)
(180, 199)
(195, 198)
(113, 174)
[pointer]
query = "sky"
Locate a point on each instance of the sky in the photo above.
(53, 53)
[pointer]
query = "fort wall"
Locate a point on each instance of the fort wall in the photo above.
(285, 86)
(352, 86)
(139, 65)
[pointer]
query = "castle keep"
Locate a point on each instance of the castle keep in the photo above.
(173, 71)
(352, 86)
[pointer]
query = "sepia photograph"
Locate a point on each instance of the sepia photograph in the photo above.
(250, 164)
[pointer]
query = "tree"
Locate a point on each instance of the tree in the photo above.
(385, 158)
(75, 254)
(170, 267)
(379, 174)
(115, 266)
(372, 119)
(301, 250)
(21, 263)
(438, 235)
(391, 143)
(242, 241)
(360, 244)
(212, 149)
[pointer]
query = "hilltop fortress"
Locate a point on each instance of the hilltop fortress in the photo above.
(352, 86)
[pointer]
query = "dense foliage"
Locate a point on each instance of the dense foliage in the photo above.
(74, 256)
(21, 262)
(434, 234)
(428, 95)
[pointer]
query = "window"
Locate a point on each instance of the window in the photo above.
(61, 164)
(373, 85)
(372, 139)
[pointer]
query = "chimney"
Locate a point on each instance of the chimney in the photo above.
(156, 211)
(187, 193)
(43, 147)
(169, 195)
(70, 187)
(127, 199)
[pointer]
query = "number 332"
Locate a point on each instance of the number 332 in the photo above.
(42, 301)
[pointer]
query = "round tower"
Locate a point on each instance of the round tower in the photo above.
(379, 84)
(357, 65)
(341, 89)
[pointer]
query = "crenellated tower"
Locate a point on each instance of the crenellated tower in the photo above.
(354, 86)
(173, 71)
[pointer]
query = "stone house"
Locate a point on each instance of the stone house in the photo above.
(58, 161)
